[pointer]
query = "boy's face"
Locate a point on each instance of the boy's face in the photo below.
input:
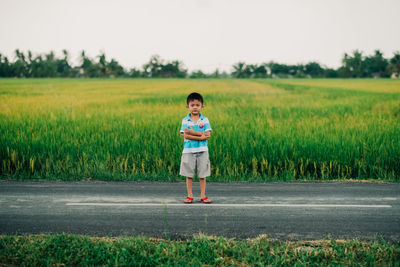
(195, 107)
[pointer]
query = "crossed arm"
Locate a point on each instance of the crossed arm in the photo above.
(193, 135)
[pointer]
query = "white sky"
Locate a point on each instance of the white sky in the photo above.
(204, 34)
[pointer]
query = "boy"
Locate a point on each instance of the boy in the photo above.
(196, 131)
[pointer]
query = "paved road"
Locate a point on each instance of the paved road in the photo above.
(289, 211)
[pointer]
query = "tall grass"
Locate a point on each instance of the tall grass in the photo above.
(263, 129)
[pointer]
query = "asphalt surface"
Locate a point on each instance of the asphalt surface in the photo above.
(286, 211)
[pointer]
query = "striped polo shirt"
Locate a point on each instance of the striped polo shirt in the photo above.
(202, 125)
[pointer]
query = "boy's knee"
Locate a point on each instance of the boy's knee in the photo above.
(202, 178)
(189, 178)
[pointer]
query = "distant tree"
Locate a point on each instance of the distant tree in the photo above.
(394, 66)
(260, 71)
(173, 69)
(90, 68)
(376, 65)
(313, 69)
(168, 70)
(354, 65)
(5, 67)
(103, 65)
(249, 70)
(216, 74)
(135, 73)
(37, 65)
(278, 70)
(51, 65)
(156, 68)
(30, 64)
(20, 66)
(115, 69)
(64, 69)
(85, 64)
(330, 73)
(344, 72)
(85, 61)
(152, 69)
(224, 74)
(197, 75)
(239, 70)
(298, 71)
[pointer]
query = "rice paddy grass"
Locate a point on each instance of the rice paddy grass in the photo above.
(263, 129)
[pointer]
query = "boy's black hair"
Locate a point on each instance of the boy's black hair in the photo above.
(194, 96)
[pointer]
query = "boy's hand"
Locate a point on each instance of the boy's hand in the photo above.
(189, 131)
(192, 132)
(205, 135)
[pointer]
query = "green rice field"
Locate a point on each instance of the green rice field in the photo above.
(263, 129)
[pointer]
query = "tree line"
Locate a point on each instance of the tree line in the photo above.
(354, 65)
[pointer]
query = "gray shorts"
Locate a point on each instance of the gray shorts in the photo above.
(192, 161)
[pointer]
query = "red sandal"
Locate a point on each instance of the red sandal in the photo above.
(190, 200)
(205, 202)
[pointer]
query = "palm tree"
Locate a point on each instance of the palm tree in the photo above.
(239, 70)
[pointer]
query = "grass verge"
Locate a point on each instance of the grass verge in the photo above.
(73, 250)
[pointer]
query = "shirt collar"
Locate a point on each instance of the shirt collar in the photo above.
(188, 116)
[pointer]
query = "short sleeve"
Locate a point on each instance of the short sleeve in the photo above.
(207, 126)
(183, 127)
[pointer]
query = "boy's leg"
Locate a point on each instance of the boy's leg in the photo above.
(203, 189)
(203, 166)
(189, 182)
(187, 169)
